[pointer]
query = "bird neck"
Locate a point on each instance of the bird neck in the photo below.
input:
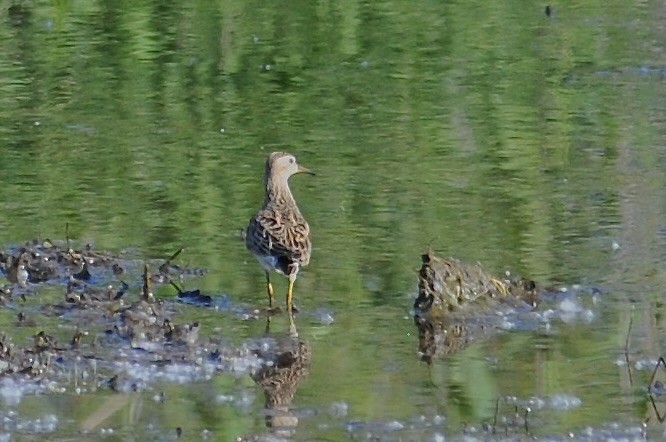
(278, 192)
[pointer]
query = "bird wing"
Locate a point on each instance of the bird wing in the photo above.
(281, 234)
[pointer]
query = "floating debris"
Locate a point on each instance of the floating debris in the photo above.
(192, 297)
(458, 303)
(449, 285)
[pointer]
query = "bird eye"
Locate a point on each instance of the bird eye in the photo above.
(291, 161)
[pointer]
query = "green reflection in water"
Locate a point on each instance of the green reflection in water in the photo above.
(500, 135)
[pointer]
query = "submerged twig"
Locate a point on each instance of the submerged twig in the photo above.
(660, 361)
(626, 348)
(147, 294)
(174, 285)
(651, 389)
(164, 268)
(626, 341)
(496, 414)
(174, 256)
(660, 418)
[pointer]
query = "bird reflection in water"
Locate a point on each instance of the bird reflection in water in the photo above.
(286, 363)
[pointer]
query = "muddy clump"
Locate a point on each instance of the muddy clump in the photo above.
(457, 303)
(121, 338)
(448, 286)
(40, 261)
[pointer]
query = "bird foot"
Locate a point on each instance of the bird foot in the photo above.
(292, 330)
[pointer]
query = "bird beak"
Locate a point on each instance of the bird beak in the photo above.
(302, 169)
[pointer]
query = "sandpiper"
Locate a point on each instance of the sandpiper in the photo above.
(278, 235)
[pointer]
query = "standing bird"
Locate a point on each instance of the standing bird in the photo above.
(278, 235)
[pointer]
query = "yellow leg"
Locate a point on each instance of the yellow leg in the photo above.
(269, 289)
(290, 292)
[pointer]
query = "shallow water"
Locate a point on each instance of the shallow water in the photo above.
(494, 133)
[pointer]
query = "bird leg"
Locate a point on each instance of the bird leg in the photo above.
(292, 327)
(290, 292)
(269, 289)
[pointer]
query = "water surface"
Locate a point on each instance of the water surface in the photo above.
(530, 143)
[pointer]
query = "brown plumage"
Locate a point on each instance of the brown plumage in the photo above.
(278, 235)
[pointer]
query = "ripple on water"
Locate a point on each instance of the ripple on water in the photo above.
(12, 390)
(339, 409)
(324, 316)
(13, 423)
(570, 305)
